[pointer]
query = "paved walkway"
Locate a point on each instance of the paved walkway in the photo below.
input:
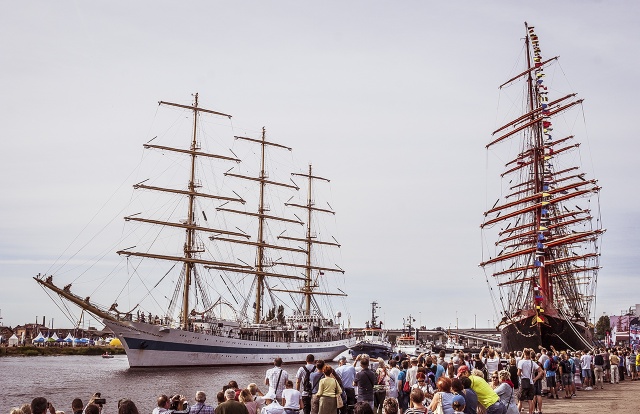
(614, 398)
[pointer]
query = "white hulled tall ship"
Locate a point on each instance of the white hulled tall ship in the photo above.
(248, 284)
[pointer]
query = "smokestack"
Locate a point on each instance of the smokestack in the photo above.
(43, 319)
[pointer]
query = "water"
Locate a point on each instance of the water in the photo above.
(60, 379)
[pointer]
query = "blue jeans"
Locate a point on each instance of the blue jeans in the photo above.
(497, 408)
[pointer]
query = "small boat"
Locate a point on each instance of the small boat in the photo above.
(373, 340)
(407, 343)
(107, 355)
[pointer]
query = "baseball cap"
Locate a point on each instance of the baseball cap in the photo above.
(458, 400)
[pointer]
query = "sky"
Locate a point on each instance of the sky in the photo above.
(394, 101)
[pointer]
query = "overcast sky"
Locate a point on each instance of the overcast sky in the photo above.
(394, 101)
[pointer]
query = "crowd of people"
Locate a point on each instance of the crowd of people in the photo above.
(485, 383)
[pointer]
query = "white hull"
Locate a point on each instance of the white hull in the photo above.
(149, 345)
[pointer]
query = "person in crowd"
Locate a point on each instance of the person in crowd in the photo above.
(631, 365)
(303, 382)
(470, 396)
(292, 399)
(315, 379)
(276, 377)
(392, 391)
(247, 399)
(229, 406)
(506, 392)
(40, 405)
(92, 409)
(513, 372)
(15, 410)
(426, 388)
(200, 407)
(179, 405)
(381, 386)
(614, 359)
(77, 406)
(565, 374)
(126, 406)
(26, 408)
(491, 359)
(486, 396)
(495, 380)
(412, 372)
(401, 379)
(362, 407)
(329, 391)
(347, 374)
(529, 373)
(258, 396)
(365, 380)
(272, 406)
(415, 401)
(162, 404)
(598, 367)
(458, 403)
(443, 396)
(550, 369)
(586, 361)
(390, 406)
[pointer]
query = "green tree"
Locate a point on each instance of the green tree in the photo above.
(280, 315)
(602, 326)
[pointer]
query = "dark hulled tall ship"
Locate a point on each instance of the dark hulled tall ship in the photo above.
(542, 236)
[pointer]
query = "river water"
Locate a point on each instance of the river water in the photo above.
(60, 379)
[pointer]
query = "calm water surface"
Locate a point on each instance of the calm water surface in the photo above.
(60, 379)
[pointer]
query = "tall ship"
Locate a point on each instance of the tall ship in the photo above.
(541, 238)
(219, 272)
(373, 339)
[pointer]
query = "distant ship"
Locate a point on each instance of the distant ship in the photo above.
(221, 310)
(542, 235)
(373, 340)
(407, 343)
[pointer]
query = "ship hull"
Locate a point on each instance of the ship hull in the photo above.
(149, 345)
(556, 332)
(373, 350)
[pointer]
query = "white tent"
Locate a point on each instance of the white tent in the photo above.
(13, 341)
(38, 339)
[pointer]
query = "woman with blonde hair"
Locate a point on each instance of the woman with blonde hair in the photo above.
(505, 391)
(247, 399)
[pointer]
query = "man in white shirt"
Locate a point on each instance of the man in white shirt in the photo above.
(275, 378)
(585, 364)
(413, 372)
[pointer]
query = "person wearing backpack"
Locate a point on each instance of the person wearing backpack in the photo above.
(550, 368)
(303, 384)
(403, 387)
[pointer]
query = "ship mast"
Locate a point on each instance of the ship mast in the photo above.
(191, 250)
(261, 245)
(310, 239)
(538, 166)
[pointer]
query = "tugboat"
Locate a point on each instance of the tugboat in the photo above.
(373, 340)
(407, 343)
